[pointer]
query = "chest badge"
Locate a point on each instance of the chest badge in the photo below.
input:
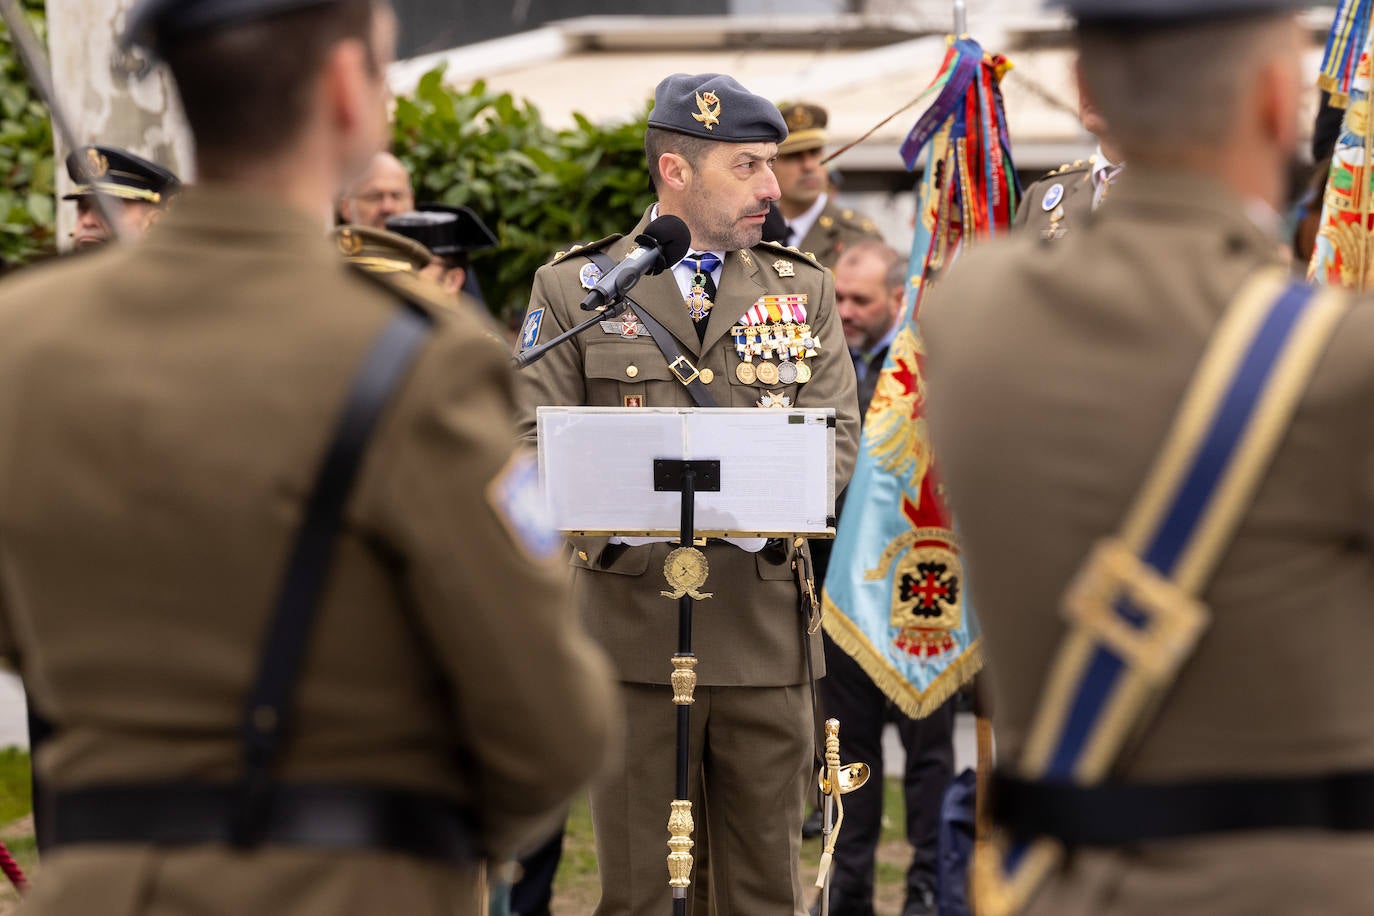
(1053, 198)
(589, 275)
(784, 268)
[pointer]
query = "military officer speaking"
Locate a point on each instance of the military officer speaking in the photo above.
(815, 223)
(1158, 446)
(710, 145)
(277, 690)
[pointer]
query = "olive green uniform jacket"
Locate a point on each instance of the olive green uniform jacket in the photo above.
(1074, 209)
(164, 408)
(835, 230)
(747, 635)
(1054, 372)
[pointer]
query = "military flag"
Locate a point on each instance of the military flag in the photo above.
(1344, 253)
(894, 594)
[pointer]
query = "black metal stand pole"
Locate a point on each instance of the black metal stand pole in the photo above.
(686, 536)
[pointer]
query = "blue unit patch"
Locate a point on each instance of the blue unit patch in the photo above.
(518, 500)
(1053, 198)
(529, 334)
(589, 275)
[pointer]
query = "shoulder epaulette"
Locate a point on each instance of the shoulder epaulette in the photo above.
(805, 257)
(858, 221)
(411, 287)
(1077, 165)
(593, 246)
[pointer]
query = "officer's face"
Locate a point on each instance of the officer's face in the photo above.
(382, 192)
(134, 218)
(867, 306)
(727, 194)
(800, 179)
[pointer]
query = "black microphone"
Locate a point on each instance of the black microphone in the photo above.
(665, 242)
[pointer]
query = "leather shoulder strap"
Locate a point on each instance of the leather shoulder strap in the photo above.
(268, 713)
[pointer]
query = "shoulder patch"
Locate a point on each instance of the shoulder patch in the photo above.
(578, 249)
(516, 497)
(529, 331)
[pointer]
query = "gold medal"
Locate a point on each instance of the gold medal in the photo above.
(686, 570)
(787, 373)
(746, 374)
(767, 373)
(803, 373)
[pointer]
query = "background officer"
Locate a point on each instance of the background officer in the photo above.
(450, 234)
(870, 283)
(816, 224)
(1066, 197)
(709, 146)
(135, 190)
(166, 410)
(1049, 406)
(378, 193)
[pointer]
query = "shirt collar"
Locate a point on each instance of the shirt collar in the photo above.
(1104, 170)
(802, 224)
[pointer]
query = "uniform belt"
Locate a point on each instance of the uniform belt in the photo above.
(1120, 814)
(327, 816)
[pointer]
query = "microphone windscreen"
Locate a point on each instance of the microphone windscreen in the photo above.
(673, 239)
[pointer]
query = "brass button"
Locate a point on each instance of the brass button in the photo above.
(799, 543)
(707, 376)
(582, 555)
(632, 371)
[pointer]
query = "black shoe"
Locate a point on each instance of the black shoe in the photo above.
(920, 901)
(813, 826)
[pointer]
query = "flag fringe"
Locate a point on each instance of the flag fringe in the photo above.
(915, 703)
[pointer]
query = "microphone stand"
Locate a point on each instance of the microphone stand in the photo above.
(527, 358)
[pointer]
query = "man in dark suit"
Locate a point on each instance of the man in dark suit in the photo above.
(870, 282)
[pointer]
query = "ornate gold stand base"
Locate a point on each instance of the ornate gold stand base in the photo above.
(684, 679)
(680, 847)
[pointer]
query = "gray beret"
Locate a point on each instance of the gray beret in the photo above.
(715, 107)
(152, 24)
(1146, 11)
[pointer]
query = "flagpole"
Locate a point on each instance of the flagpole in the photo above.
(960, 18)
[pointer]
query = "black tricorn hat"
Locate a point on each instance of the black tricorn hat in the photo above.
(119, 173)
(445, 230)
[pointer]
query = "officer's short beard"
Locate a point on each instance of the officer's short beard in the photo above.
(713, 230)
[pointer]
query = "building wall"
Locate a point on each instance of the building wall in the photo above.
(436, 25)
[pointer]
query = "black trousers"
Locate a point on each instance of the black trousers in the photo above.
(533, 893)
(848, 694)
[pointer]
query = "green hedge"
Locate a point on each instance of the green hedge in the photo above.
(538, 188)
(27, 214)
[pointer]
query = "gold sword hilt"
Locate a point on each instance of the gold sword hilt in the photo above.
(837, 781)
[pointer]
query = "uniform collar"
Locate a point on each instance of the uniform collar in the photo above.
(221, 216)
(1182, 197)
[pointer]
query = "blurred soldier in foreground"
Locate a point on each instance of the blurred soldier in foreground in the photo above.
(709, 147)
(1155, 446)
(815, 223)
(136, 190)
(378, 194)
(164, 525)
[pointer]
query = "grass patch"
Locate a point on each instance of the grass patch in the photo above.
(16, 792)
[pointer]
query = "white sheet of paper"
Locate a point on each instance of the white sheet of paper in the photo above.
(777, 469)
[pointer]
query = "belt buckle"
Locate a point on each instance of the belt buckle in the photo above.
(1157, 626)
(685, 377)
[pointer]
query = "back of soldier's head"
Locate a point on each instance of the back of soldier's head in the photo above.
(248, 71)
(1173, 79)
